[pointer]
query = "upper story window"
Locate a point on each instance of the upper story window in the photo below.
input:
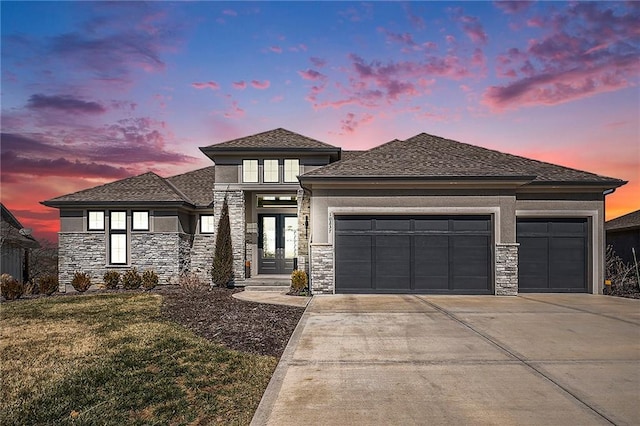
(140, 221)
(96, 221)
(271, 172)
(206, 224)
(291, 170)
(250, 171)
(118, 221)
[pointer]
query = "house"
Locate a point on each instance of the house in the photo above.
(422, 215)
(16, 243)
(623, 234)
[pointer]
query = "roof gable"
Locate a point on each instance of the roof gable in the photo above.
(427, 156)
(277, 139)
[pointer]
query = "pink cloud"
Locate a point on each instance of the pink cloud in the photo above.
(262, 85)
(234, 111)
(230, 12)
(585, 51)
(208, 85)
(311, 75)
(351, 122)
(275, 49)
(405, 38)
(472, 27)
(276, 99)
(240, 85)
(512, 7)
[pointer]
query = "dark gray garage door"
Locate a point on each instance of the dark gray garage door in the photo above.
(552, 256)
(417, 254)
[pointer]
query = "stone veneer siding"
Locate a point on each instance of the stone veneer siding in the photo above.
(322, 269)
(507, 269)
(304, 209)
(235, 200)
(165, 253)
(81, 251)
(202, 251)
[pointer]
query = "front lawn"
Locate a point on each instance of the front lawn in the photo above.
(115, 359)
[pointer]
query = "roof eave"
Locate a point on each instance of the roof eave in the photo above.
(63, 204)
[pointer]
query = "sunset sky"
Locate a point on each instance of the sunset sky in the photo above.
(93, 92)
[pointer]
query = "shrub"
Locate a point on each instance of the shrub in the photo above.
(81, 281)
(222, 271)
(10, 288)
(111, 279)
(131, 279)
(29, 288)
(191, 283)
(299, 280)
(48, 284)
(149, 279)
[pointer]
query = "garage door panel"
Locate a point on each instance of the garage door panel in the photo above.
(552, 256)
(422, 254)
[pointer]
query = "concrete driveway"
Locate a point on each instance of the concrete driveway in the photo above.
(398, 360)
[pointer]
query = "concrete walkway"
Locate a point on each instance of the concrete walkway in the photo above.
(532, 359)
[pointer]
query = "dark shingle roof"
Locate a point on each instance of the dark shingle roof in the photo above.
(628, 221)
(428, 156)
(148, 187)
(271, 140)
(197, 185)
(194, 188)
(10, 228)
(347, 155)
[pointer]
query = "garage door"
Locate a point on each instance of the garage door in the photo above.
(417, 254)
(552, 256)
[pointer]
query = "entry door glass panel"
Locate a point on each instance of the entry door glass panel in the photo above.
(269, 237)
(290, 237)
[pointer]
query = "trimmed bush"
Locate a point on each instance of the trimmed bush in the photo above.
(111, 279)
(299, 280)
(149, 279)
(191, 283)
(131, 279)
(48, 284)
(81, 281)
(10, 288)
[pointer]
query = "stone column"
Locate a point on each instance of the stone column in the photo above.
(304, 233)
(507, 269)
(322, 281)
(235, 199)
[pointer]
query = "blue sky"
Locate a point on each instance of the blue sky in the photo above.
(93, 91)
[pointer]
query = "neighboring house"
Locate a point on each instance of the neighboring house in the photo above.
(16, 243)
(623, 234)
(423, 215)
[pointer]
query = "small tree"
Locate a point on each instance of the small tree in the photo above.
(222, 271)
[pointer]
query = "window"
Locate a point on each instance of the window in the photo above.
(119, 221)
(119, 249)
(140, 221)
(291, 170)
(250, 170)
(96, 221)
(271, 171)
(206, 224)
(118, 238)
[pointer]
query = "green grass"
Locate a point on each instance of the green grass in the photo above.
(113, 360)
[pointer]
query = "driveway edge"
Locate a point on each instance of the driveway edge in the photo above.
(263, 412)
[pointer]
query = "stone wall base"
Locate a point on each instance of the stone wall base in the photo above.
(322, 269)
(507, 269)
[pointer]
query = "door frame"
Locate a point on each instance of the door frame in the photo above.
(281, 264)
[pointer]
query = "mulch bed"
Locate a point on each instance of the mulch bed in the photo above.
(214, 314)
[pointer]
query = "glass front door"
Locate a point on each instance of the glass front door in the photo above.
(277, 243)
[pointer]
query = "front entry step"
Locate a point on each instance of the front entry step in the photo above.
(277, 283)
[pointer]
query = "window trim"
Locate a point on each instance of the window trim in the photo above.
(212, 224)
(246, 161)
(297, 173)
(264, 170)
(133, 220)
(89, 228)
